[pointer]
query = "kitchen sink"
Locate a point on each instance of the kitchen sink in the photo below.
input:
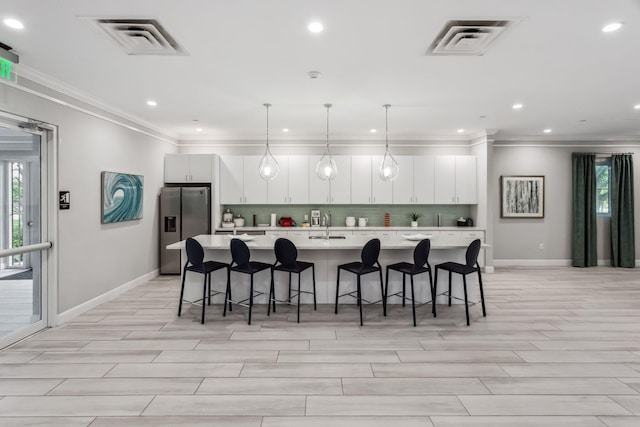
(331, 237)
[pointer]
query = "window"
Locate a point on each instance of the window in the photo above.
(603, 173)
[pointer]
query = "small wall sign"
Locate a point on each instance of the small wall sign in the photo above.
(65, 200)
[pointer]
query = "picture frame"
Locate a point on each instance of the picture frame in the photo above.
(122, 197)
(522, 196)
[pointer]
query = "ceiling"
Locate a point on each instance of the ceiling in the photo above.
(555, 60)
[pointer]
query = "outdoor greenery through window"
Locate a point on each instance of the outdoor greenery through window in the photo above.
(603, 173)
(17, 204)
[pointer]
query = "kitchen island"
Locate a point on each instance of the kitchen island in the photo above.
(327, 254)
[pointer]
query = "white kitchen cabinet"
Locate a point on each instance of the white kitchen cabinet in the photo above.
(361, 180)
(231, 180)
(415, 183)
(192, 168)
(445, 179)
(381, 191)
(424, 180)
(336, 191)
(366, 185)
(255, 188)
(466, 180)
(455, 179)
(291, 186)
(240, 182)
(403, 184)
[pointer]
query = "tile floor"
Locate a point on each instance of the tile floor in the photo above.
(560, 347)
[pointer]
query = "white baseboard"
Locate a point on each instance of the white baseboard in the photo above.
(488, 269)
(101, 299)
(532, 263)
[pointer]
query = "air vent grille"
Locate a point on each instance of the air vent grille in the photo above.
(467, 37)
(141, 36)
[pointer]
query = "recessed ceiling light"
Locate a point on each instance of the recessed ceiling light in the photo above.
(517, 106)
(315, 27)
(198, 129)
(636, 107)
(151, 103)
(285, 130)
(460, 130)
(547, 131)
(13, 23)
(373, 131)
(614, 26)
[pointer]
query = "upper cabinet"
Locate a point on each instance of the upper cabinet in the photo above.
(415, 184)
(291, 186)
(424, 180)
(455, 180)
(336, 191)
(240, 182)
(191, 168)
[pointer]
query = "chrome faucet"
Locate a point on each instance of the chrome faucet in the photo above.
(326, 219)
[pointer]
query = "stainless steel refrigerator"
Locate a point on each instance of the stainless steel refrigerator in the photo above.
(184, 212)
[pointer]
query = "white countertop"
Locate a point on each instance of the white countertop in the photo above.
(209, 241)
(371, 228)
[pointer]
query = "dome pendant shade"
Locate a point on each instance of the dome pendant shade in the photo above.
(389, 168)
(269, 167)
(326, 168)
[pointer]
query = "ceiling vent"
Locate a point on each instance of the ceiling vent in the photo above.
(141, 36)
(467, 37)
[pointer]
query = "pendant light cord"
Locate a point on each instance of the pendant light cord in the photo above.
(327, 106)
(386, 126)
(267, 106)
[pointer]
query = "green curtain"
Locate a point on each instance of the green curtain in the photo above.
(584, 251)
(623, 253)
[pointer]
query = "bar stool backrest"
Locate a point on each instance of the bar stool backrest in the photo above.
(370, 252)
(421, 253)
(240, 252)
(472, 253)
(286, 252)
(195, 253)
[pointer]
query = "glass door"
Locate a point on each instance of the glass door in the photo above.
(23, 287)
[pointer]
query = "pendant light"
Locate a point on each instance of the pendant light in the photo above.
(269, 167)
(389, 168)
(326, 168)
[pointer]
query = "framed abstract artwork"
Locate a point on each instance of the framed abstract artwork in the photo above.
(522, 196)
(121, 197)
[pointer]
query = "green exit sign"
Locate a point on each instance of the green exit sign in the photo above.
(5, 69)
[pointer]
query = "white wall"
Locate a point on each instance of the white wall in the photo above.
(516, 241)
(95, 258)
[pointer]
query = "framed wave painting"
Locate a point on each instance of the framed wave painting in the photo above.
(121, 197)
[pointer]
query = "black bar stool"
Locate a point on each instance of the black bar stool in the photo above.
(286, 255)
(471, 266)
(241, 263)
(420, 265)
(195, 257)
(369, 264)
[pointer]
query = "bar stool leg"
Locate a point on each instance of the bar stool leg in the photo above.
(184, 276)
(386, 291)
(298, 297)
(272, 296)
(449, 288)
(313, 272)
(209, 289)
(204, 296)
(250, 299)
(289, 288)
(384, 294)
(337, 290)
(466, 303)
(484, 310)
(435, 292)
(413, 302)
(403, 286)
(360, 300)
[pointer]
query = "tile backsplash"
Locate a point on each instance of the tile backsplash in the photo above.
(339, 213)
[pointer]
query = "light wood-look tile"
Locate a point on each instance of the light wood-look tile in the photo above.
(560, 347)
